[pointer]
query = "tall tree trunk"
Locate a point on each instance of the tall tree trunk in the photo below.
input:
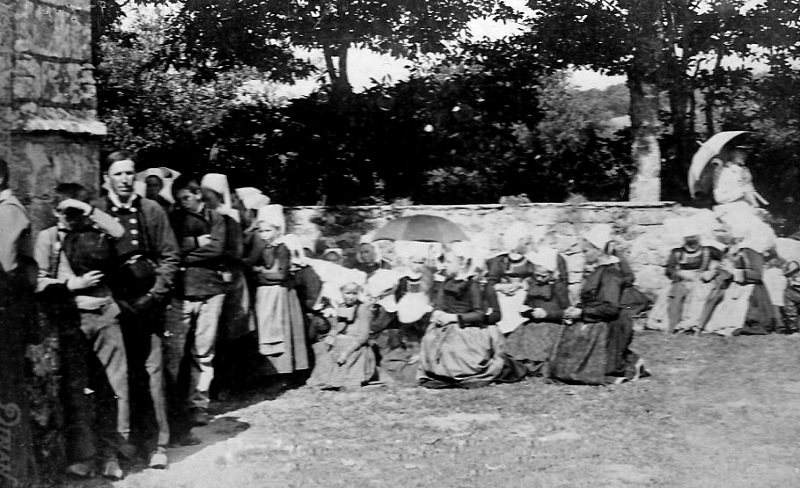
(646, 183)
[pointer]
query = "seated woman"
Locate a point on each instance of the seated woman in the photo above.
(593, 348)
(690, 268)
(396, 349)
(343, 358)
(740, 303)
(507, 274)
(547, 298)
(459, 349)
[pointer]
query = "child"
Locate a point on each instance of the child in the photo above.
(343, 358)
(281, 329)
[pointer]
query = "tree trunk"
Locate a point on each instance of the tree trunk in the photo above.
(646, 155)
(646, 183)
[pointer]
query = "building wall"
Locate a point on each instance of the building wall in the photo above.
(640, 230)
(48, 134)
(48, 128)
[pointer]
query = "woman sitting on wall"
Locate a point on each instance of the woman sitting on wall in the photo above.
(594, 344)
(459, 349)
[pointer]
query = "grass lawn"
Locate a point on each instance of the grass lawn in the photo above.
(716, 413)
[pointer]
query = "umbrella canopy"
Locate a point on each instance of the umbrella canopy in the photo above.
(422, 228)
(706, 152)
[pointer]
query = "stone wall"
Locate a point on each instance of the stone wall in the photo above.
(48, 127)
(640, 231)
(48, 134)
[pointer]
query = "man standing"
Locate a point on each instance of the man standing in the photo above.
(17, 282)
(142, 281)
(193, 315)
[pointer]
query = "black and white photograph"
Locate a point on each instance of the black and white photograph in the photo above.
(399, 243)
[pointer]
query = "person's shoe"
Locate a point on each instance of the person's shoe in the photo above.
(127, 450)
(188, 439)
(158, 459)
(199, 417)
(80, 470)
(111, 470)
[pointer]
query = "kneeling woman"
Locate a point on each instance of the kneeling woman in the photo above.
(458, 348)
(594, 345)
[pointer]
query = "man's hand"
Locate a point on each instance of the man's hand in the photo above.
(86, 280)
(539, 313)
(76, 204)
(204, 240)
(572, 313)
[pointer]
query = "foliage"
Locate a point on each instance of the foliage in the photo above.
(228, 33)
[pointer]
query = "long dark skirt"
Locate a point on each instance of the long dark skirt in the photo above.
(532, 344)
(596, 354)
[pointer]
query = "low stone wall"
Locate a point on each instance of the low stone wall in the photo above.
(640, 231)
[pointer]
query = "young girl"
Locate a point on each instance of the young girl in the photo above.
(459, 349)
(281, 330)
(343, 359)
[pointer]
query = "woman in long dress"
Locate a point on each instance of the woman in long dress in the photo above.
(459, 349)
(741, 304)
(532, 342)
(690, 268)
(594, 344)
(280, 325)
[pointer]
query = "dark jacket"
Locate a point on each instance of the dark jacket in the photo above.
(158, 243)
(200, 265)
(463, 298)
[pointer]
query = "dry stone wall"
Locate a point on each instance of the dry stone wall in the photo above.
(640, 231)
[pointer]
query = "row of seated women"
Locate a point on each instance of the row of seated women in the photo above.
(721, 287)
(459, 326)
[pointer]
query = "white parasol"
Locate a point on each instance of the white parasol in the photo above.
(706, 152)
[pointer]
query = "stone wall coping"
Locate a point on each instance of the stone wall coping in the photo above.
(88, 127)
(494, 206)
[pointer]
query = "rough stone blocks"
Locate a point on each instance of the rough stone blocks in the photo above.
(53, 32)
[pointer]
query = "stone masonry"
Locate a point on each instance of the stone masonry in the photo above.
(640, 231)
(48, 127)
(48, 134)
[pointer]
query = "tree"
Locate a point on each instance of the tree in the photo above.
(663, 47)
(246, 32)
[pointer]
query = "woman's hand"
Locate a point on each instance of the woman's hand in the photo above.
(329, 340)
(539, 313)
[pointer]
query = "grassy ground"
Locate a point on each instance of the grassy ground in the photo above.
(716, 413)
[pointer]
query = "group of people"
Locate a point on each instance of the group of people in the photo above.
(728, 276)
(158, 296)
(165, 292)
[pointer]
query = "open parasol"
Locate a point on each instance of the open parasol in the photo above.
(421, 228)
(706, 152)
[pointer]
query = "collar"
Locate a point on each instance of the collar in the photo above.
(114, 198)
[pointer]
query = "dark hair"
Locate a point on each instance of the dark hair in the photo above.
(74, 191)
(185, 182)
(115, 156)
(5, 174)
